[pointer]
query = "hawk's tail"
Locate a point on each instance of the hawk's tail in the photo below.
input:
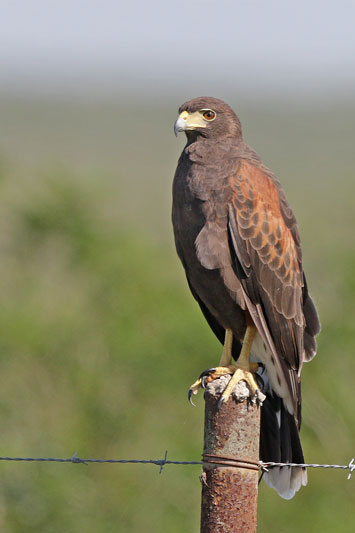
(280, 443)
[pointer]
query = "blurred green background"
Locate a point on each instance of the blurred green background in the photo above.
(100, 338)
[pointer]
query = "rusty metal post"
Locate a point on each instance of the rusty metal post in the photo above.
(231, 455)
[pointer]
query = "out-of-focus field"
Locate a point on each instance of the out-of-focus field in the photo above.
(100, 338)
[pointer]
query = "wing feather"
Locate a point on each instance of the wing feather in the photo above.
(267, 253)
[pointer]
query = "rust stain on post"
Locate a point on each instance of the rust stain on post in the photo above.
(229, 491)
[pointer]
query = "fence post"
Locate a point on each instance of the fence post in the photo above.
(230, 461)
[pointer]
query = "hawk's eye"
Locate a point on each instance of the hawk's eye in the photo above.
(208, 114)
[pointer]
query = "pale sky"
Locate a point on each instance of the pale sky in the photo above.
(303, 45)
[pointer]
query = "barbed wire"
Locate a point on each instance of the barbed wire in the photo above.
(350, 466)
(162, 462)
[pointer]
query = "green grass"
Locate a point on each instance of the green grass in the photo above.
(100, 339)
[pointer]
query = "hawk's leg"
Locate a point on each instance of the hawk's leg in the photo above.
(243, 368)
(240, 371)
(226, 357)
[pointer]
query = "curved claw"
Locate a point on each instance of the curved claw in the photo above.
(259, 380)
(189, 395)
(206, 373)
(203, 381)
(220, 402)
(263, 367)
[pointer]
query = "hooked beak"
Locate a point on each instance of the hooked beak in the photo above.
(187, 121)
(180, 123)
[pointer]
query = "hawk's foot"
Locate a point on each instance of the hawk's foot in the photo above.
(241, 374)
(238, 373)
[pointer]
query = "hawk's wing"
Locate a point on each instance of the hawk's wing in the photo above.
(265, 247)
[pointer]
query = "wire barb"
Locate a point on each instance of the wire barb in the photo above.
(163, 462)
(76, 459)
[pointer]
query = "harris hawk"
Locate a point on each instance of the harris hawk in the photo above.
(238, 240)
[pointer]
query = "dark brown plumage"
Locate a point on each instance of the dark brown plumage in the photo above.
(238, 241)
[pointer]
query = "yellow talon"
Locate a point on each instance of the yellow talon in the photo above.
(242, 370)
(240, 375)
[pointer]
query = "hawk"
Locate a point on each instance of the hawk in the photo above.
(238, 240)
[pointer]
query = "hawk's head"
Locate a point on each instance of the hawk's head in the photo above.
(207, 117)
